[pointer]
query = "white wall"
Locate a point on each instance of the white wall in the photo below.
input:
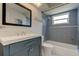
(36, 19)
(12, 30)
(0, 12)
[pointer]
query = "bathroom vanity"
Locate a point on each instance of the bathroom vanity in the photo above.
(29, 45)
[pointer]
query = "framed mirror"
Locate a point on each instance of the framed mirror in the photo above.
(16, 14)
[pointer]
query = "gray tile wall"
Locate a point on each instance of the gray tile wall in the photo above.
(64, 34)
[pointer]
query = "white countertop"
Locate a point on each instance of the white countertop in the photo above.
(13, 39)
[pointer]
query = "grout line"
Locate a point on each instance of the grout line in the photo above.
(63, 26)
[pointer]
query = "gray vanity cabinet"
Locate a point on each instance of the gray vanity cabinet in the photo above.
(34, 49)
(30, 47)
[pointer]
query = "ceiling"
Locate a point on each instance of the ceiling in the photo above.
(48, 6)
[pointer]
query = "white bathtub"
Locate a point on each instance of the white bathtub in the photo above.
(53, 48)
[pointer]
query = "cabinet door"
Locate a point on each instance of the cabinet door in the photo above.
(6, 51)
(35, 47)
(23, 52)
(34, 50)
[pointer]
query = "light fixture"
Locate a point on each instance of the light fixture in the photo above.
(37, 4)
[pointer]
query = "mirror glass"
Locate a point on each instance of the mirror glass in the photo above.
(17, 14)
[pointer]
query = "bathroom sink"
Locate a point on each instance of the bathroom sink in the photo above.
(17, 38)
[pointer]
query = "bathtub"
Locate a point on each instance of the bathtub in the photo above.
(53, 48)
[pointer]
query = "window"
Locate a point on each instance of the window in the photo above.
(61, 18)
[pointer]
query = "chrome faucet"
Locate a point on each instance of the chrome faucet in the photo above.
(23, 33)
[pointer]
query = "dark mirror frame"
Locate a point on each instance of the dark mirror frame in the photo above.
(4, 15)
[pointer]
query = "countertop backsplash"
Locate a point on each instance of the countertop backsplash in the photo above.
(6, 31)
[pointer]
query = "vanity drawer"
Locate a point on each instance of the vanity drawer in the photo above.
(23, 45)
